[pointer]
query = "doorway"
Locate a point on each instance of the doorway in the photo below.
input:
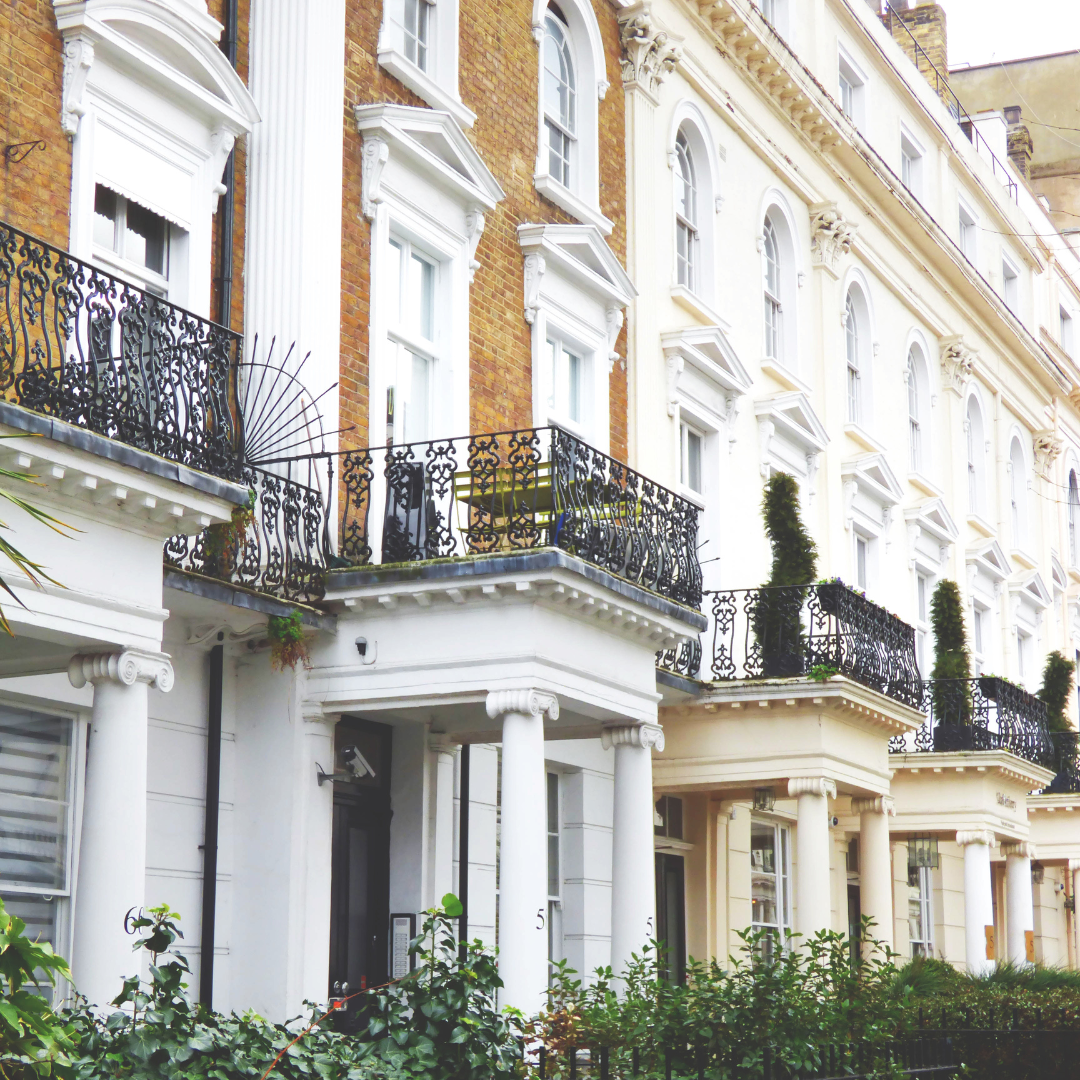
(360, 860)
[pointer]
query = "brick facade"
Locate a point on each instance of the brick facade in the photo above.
(499, 82)
(35, 194)
(926, 24)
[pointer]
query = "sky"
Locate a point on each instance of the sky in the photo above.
(984, 30)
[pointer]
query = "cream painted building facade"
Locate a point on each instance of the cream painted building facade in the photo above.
(838, 280)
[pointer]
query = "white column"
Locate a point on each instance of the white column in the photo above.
(112, 855)
(1074, 871)
(875, 864)
(523, 846)
(978, 897)
(442, 877)
(633, 863)
(1019, 903)
(813, 886)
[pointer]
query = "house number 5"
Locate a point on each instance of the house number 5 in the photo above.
(539, 918)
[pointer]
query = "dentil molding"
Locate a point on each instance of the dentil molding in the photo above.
(125, 668)
(643, 736)
(524, 702)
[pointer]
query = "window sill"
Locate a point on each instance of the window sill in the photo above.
(924, 484)
(981, 525)
(421, 84)
(693, 303)
(692, 496)
(858, 434)
(669, 843)
(563, 197)
(1074, 574)
(783, 375)
(1019, 555)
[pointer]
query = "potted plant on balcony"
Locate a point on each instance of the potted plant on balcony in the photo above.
(950, 688)
(1057, 684)
(831, 593)
(777, 617)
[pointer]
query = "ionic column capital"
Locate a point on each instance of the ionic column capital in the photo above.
(645, 736)
(811, 785)
(976, 836)
(441, 743)
(128, 667)
(529, 702)
(1024, 848)
(875, 804)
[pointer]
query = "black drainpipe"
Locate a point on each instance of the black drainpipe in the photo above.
(210, 833)
(217, 653)
(463, 851)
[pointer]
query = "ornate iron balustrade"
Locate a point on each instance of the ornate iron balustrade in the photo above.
(513, 491)
(1066, 762)
(278, 545)
(88, 348)
(985, 713)
(787, 632)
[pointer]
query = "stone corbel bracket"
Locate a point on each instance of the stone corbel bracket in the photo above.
(474, 224)
(1047, 446)
(649, 54)
(957, 363)
(535, 267)
(830, 236)
(78, 59)
(376, 154)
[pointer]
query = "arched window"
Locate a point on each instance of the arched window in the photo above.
(915, 434)
(774, 308)
(851, 338)
(559, 98)
(1018, 493)
(1074, 518)
(687, 233)
(976, 456)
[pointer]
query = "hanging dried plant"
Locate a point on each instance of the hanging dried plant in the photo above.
(225, 542)
(287, 644)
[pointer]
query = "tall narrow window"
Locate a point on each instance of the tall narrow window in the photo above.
(862, 561)
(417, 31)
(566, 380)
(1023, 659)
(851, 337)
(976, 457)
(852, 84)
(922, 621)
(773, 308)
(914, 420)
(559, 98)
(411, 280)
(1074, 518)
(554, 874)
(1065, 330)
(1010, 285)
(967, 232)
(1018, 493)
(692, 445)
(978, 635)
(686, 215)
(920, 910)
(770, 903)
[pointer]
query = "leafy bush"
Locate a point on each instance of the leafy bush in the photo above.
(1056, 689)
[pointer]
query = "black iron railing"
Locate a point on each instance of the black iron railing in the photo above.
(86, 347)
(276, 545)
(985, 713)
(799, 631)
(513, 491)
(1066, 763)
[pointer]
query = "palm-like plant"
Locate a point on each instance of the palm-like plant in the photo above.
(34, 571)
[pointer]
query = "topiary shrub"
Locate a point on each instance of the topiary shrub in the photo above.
(952, 660)
(777, 620)
(1056, 689)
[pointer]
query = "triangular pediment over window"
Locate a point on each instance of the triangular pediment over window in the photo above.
(433, 144)
(1032, 590)
(794, 419)
(874, 477)
(933, 517)
(707, 349)
(990, 560)
(581, 254)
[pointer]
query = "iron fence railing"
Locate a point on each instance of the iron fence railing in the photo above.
(940, 81)
(86, 347)
(513, 491)
(798, 631)
(276, 545)
(1066, 763)
(984, 713)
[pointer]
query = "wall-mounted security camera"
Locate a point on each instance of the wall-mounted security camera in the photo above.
(835, 821)
(366, 650)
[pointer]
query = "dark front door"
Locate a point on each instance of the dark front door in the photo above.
(671, 915)
(360, 870)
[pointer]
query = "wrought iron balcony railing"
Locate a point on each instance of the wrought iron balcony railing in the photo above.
(86, 347)
(985, 713)
(1066, 763)
(798, 631)
(278, 544)
(513, 491)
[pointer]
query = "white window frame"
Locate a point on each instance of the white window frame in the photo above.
(912, 157)
(687, 216)
(557, 409)
(976, 456)
(556, 946)
(967, 230)
(581, 197)
(435, 81)
(853, 88)
(688, 432)
(980, 619)
(852, 354)
(782, 843)
(859, 376)
(1073, 511)
(1025, 659)
(916, 426)
(863, 559)
(1066, 333)
(779, 304)
(777, 13)
(1020, 511)
(925, 875)
(1010, 284)
(115, 257)
(924, 587)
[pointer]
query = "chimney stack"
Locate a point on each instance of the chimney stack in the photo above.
(925, 24)
(1018, 141)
